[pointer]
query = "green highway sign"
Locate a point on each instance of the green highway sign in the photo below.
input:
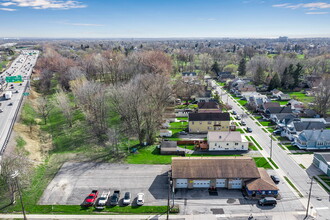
(26, 93)
(14, 79)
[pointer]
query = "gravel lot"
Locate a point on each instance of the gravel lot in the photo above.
(74, 182)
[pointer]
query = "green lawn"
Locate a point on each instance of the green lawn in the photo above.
(271, 129)
(290, 147)
(256, 143)
(240, 130)
(293, 186)
(326, 179)
(301, 56)
(182, 118)
(265, 123)
(149, 155)
(242, 102)
(221, 83)
(301, 97)
(262, 162)
(280, 102)
(274, 164)
(187, 146)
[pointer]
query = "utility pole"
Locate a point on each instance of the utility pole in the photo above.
(14, 176)
(309, 197)
(168, 196)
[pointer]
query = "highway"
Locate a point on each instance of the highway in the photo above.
(23, 66)
(320, 200)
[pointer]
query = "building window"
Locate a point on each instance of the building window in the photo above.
(215, 144)
(236, 143)
(227, 144)
(242, 146)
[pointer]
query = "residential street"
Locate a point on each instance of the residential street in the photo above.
(320, 201)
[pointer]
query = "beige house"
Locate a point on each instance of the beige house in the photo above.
(226, 140)
(204, 122)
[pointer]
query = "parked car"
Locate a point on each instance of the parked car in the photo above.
(115, 198)
(275, 179)
(102, 201)
(277, 132)
(16, 91)
(234, 113)
(243, 123)
(267, 201)
(10, 104)
(91, 198)
(183, 133)
(238, 117)
(249, 130)
(127, 198)
(1, 110)
(140, 199)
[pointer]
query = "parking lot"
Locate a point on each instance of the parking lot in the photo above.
(75, 181)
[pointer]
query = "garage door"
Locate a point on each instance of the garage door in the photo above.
(181, 183)
(201, 183)
(221, 183)
(236, 184)
(323, 167)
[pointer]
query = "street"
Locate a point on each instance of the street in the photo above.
(23, 66)
(287, 166)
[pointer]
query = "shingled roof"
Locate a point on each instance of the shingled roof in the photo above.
(262, 183)
(209, 116)
(207, 105)
(211, 168)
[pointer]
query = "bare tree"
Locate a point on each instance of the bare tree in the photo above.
(44, 108)
(63, 103)
(322, 96)
(206, 62)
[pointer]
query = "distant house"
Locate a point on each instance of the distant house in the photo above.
(267, 105)
(310, 113)
(226, 141)
(245, 88)
(313, 140)
(273, 112)
(296, 105)
(204, 122)
(257, 101)
(322, 161)
(189, 76)
(168, 147)
(204, 97)
(293, 129)
(278, 118)
(284, 97)
(313, 81)
(208, 105)
(182, 112)
(224, 76)
(276, 93)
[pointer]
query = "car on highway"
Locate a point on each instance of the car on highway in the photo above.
(115, 198)
(127, 198)
(91, 198)
(102, 200)
(140, 199)
(249, 130)
(275, 179)
(267, 201)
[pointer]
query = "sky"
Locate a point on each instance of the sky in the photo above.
(164, 18)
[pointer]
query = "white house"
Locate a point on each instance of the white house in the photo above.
(226, 141)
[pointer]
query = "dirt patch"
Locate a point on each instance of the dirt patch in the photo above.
(37, 143)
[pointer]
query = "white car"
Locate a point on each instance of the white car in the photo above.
(127, 198)
(101, 202)
(140, 199)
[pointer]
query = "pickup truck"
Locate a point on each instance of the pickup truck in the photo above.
(102, 200)
(115, 198)
(91, 198)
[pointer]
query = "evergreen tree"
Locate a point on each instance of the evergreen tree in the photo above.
(259, 76)
(215, 67)
(242, 67)
(297, 74)
(275, 82)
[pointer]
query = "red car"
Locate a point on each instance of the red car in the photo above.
(91, 198)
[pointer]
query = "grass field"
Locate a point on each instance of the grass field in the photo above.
(265, 123)
(242, 102)
(262, 162)
(280, 102)
(301, 97)
(256, 143)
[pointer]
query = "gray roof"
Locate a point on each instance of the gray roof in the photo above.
(209, 116)
(315, 135)
(277, 110)
(224, 136)
(169, 144)
(300, 126)
(326, 156)
(282, 116)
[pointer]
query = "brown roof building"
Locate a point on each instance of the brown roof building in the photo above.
(222, 172)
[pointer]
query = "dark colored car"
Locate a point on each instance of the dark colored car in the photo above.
(249, 129)
(234, 113)
(183, 133)
(127, 198)
(115, 198)
(91, 198)
(277, 132)
(275, 179)
(267, 201)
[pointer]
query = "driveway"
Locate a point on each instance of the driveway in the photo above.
(75, 181)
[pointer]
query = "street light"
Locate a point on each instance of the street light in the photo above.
(14, 176)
